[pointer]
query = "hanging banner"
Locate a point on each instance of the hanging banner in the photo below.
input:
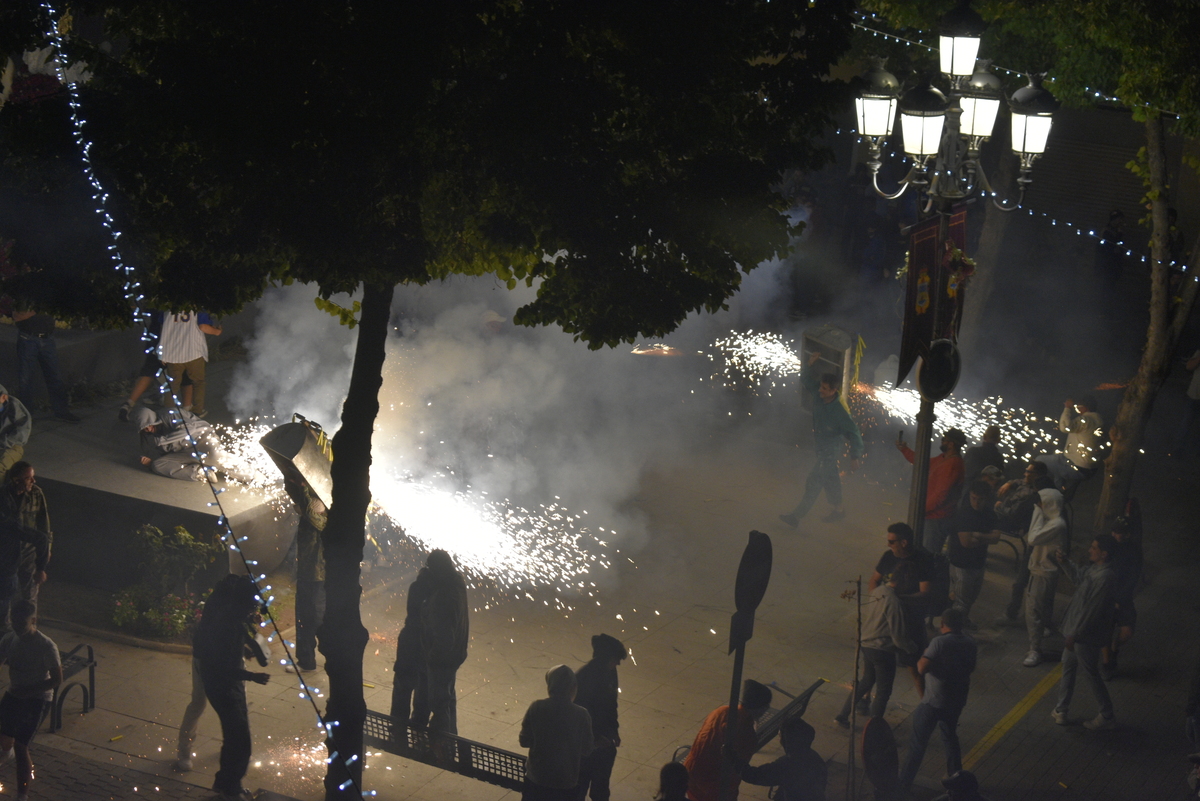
(937, 277)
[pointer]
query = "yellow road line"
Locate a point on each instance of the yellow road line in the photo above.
(1014, 715)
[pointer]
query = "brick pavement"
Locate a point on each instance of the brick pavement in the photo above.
(62, 775)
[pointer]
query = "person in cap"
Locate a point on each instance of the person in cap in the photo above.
(558, 734)
(706, 756)
(943, 490)
(598, 690)
(800, 774)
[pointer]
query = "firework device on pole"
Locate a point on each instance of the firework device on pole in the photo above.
(754, 573)
(303, 454)
(837, 356)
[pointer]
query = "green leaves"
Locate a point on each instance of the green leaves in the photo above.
(347, 317)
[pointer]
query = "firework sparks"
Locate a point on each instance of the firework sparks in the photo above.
(760, 362)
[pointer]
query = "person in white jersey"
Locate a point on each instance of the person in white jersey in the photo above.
(184, 352)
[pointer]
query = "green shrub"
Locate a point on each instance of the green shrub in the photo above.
(142, 610)
(170, 560)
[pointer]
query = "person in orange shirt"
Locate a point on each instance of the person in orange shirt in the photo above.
(706, 756)
(946, 473)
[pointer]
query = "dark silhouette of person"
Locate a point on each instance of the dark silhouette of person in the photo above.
(220, 641)
(409, 664)
(597, 693)
(445, 631)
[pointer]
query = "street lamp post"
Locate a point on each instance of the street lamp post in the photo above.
(944, 130)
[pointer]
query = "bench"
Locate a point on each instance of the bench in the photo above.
(74, 662)
(450, 752)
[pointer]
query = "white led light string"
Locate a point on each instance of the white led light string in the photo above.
(133, 294)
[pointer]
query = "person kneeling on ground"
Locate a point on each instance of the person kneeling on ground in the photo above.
(34, 671)
(800, 774)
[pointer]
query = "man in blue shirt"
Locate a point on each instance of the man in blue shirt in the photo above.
(947, 666)
(831, 424)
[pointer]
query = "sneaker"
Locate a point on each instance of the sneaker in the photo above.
(183, 764)
(1101, 723)
(1032, 659)
(123, 413)
(790, 519)
(1059, 717)
(834, 516)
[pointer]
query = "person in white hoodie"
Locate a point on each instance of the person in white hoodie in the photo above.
(1047, 534)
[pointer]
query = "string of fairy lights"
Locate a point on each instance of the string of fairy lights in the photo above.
(1078, 229)
(133, 294)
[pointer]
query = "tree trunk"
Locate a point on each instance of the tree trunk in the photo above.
(1161, 337)
(343, 638)
(987, 254)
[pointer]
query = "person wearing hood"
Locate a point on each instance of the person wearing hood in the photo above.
(1047, 533)
(558, 734)
(445, 631)
(1086, 627)
(15, 427)
(409, 666)
(165, 445)
(598, 690)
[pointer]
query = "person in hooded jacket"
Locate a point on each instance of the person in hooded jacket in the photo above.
(1047, 533)
(409, 664)
(597, 693)
(15, 427)
(445, 631)
(558, 734)
(165, 445)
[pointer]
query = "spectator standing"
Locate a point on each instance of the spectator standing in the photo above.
(947, 664)
(23, 501)
(1047, 533)
(184, 352)
(220, 640)
(944, 487)
(885, 635)
(34, 672)
(707, 753)
(445, 631)
(310, 575)
(987, 452)
(1086, 627)
(558, 734)
(1127, 561)
(598, 689)
(15, 427)
(13, 536)
(832, 425)
(151, 364)
(409, 666)
(1015, 502)
(915, 604)
(975, 530)
(800, 774)
(36, 349)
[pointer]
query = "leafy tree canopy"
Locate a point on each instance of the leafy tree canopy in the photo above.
(338, 143)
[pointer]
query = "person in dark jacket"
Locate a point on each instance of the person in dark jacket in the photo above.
(13, 538)
(409, 664)
(16, 425)
(800, 774)
(597, 693)
(445, 631)
(1127, 562)
(987, 452)
(310, 574)
(219, 644)
(166, 446)
(1086, 627)
(831, 425)
(23, 501)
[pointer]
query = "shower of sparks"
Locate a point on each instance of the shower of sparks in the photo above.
(502, 547)
(762, 362)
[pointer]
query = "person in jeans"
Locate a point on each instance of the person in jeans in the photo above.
(947, 665)
(1047, 533)
(1086, 627)
(36, 350)
(218, 645)
(974, 530)
(34, 671)
(884, 635)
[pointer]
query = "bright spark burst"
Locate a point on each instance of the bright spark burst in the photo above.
(499, 544)
(764, 361)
